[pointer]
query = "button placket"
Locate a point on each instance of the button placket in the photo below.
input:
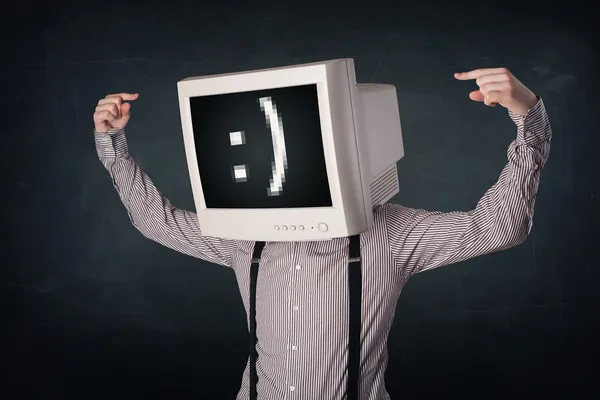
(295, 267)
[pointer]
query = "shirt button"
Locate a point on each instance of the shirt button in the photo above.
(295, 308)
(298, 266)
(528, 133)
(294, 347)
(292, 388)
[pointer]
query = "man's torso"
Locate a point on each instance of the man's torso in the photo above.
(302, 315)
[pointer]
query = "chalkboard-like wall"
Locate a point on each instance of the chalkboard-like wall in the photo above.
(91, 309)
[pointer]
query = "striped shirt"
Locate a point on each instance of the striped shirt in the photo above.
(302, 290)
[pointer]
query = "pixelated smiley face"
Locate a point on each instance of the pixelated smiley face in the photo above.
(261, 149)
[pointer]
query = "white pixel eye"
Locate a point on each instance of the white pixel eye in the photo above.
(239, 173)
(237, 138)
(279, 165)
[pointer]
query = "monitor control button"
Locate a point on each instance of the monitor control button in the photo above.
(285, 228)
(276, 227)
(323, 227)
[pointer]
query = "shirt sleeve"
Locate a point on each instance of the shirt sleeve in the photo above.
(421, 240)
(150, 212)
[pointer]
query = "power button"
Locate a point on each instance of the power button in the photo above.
(323, 227)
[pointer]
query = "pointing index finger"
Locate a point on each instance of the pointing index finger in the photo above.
(476, 73)
(124, 96)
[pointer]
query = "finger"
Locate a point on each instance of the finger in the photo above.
(125, 108)
(111, 100)
(476, 73)
(489, 102)
(105, 115)
(112, 107)
(494, 87)
(124, 96)
(476, 95)
(501, 77)
(491, 99)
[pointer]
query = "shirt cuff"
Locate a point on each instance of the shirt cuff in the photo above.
(532, 128)
(111, 144)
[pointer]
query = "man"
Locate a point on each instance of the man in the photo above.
(302, 295)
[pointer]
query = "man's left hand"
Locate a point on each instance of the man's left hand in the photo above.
(498, 85)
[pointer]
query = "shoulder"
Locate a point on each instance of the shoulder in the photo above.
(392, 214)
(393, 211)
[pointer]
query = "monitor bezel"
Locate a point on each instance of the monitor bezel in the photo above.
(261, 224)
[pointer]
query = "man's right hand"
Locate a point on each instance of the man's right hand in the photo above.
(112, 112)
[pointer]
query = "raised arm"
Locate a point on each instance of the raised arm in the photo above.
(421, 240)
(149, 211)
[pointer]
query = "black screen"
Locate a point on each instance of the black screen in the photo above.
(235, 135)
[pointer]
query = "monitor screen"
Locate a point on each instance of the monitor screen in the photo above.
(261, 149)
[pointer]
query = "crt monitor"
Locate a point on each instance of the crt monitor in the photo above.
(293, 153)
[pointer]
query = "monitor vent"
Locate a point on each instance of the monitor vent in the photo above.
(384, 186)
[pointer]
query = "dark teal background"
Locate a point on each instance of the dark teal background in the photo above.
(92, 310)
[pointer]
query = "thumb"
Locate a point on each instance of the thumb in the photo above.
(125, 108)
(476, 95)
